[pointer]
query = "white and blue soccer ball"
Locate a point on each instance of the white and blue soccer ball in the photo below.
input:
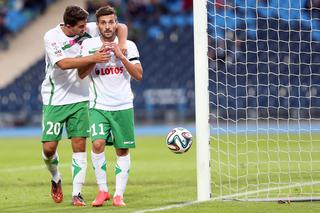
(179, 140)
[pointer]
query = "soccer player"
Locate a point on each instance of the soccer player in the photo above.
(111, 104)
(65, 96)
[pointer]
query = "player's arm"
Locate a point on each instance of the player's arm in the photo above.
(85, 70)
(57, 56)
(72, 63)
(135, 70)
(122, 34)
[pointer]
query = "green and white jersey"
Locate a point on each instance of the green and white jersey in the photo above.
(62, 87)
(110, 87)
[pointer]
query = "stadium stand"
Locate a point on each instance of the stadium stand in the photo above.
(173, 52)
(15, 15)
(258, 53)
(21, 100)
(164, 35)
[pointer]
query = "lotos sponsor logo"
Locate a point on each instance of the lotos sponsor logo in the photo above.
(109, 71)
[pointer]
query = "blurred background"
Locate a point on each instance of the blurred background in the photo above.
(162, 30)
(264, 56)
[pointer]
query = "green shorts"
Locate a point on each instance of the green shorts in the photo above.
(74, 116)
(116, 127)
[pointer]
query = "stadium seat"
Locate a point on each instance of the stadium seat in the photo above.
(264, 57)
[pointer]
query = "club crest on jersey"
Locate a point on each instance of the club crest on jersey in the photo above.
(109, 71)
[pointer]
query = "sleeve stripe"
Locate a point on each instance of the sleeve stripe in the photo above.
(133, 59)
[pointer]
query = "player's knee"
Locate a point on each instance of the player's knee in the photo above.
(49, 149)
(48, 153)
(98, 146)
(78, 141)
(78, 144)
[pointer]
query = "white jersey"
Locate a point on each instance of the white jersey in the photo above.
(62, 87)
(110, 87)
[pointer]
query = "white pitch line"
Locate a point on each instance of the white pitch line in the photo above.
(28, 168)
(266, 190)
(228, 196)
(169, 207)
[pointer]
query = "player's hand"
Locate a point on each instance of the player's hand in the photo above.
(117, 51)
(102, 49)
(101, 56)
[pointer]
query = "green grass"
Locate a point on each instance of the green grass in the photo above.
(158, 178)
(252, 163)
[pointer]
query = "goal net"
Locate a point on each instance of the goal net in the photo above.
(264, 99)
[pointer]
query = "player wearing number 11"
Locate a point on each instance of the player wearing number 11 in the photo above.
(111, 104)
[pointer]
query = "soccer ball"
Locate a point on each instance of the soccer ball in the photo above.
(179, 140)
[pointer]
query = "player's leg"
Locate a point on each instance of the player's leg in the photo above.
(52, 130)
(122, 125)
(77, 128)
(79, 168)
(51, 159)
(122, 174)
(100, 169)
(99, 130)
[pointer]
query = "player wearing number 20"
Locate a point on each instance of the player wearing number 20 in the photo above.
(111, 103)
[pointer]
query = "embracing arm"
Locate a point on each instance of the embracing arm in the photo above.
(72, 63)
(122, 34)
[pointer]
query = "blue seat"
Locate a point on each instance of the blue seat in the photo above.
(15, 20)
(166, 20)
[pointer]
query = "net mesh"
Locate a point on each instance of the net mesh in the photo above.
(264, 85)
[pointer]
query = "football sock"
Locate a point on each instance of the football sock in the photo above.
(79, 167)
(122, 174)
(100, 169)
(52, 165)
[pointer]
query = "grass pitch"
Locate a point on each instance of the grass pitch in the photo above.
(158, 178)
(288, 165)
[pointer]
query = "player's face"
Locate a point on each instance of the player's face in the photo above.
(107, 26)
(79, 28)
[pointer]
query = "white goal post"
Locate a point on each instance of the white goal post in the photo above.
(202, 100)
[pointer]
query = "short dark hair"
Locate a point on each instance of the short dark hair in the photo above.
(73, 14)
(105, 11)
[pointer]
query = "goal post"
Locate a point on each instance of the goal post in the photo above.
(202, 100)
(257, 94)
